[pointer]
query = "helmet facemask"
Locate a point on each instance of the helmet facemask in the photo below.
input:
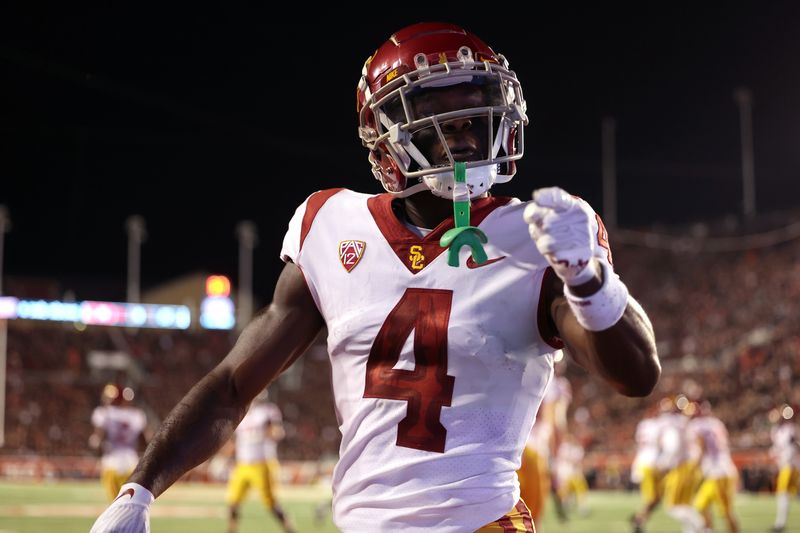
(408, 126)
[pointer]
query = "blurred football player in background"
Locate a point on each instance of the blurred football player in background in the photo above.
(256, 442)
(644, 470)
(674, 458)
(119, 431)
(571, 483)
(720, 476)
(536, 476)
(785, 451)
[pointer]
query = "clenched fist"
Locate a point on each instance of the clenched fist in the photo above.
(564, 229)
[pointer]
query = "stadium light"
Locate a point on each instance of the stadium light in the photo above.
(218, 286)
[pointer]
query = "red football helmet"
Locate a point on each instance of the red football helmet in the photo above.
(426, 57)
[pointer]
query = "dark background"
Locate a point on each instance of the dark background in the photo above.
(199, 118)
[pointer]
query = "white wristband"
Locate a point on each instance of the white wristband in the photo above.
(138, 494)
(602, 309)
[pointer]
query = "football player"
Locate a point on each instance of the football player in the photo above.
(644, 470)
(719, 473)
(119, 430)
(785, 451)
(572, 485)
(257, 466)
(674, 458)
(439, 360)
(536, 479)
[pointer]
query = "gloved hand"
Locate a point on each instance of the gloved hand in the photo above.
(129, 513)
(564, 230)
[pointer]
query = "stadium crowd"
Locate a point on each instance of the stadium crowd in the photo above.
(725, 325)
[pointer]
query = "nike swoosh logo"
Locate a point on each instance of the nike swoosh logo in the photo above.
(129, 492)
(472, 264)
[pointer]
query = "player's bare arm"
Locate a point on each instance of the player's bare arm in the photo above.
(207, 416)
(604, 329)
(624, 354)
(275, 431)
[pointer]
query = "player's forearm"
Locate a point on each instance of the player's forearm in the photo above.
(195, 429)
(624, 354)
(622, 351)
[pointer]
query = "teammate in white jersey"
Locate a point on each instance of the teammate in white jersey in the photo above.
(681, 472)
(644, 470)
(785, 451)
(571, 483)
(256, 444)
(437, 370)
(536, 479)
(719, 473)
(119, 429)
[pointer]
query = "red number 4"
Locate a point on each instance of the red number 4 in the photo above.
(427, 388)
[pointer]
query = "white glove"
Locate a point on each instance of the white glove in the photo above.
(562, 226)
(129, 513)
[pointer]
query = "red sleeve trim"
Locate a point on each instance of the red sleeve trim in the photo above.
(314, 204)
(547, 329)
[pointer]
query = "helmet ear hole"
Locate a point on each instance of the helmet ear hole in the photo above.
(384, 168)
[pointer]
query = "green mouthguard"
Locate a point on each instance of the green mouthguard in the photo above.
(463, 234)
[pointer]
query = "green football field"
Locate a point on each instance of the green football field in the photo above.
(72, 507)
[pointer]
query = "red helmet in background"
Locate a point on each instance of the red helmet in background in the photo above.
(434, 55)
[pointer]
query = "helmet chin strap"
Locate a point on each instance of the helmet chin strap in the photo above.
(414, 189)
(477, 179)
(463, 234)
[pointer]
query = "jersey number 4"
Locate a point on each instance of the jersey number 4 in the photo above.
(427, 388)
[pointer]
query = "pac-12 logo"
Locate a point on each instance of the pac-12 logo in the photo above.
(416, 257)
(350, 253)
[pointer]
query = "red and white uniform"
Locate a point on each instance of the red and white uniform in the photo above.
(559, 394)
(716, 462)
(647, 435)
(784, 447)
(122, 426)
(569, 461)
(252, 444)
(437, 371)
(673, 441)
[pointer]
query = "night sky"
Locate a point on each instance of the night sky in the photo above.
(199, 119)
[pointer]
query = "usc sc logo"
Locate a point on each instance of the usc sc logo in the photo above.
(416, 257)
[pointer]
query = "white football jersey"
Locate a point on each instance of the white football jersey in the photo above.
(559, 395)
(122, 426)
(569, 461)
(437, 371)
(784, 448)
(647, 436)
(673, 441)
(716, 462)
(253, 444)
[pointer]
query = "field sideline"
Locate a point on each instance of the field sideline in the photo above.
(72, 506)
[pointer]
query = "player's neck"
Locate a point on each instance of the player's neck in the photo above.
(424, 209)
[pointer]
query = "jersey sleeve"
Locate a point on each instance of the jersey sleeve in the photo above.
(98, 417)
(140, 420)
(275, 414)
(603, 249)
(291, 241)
